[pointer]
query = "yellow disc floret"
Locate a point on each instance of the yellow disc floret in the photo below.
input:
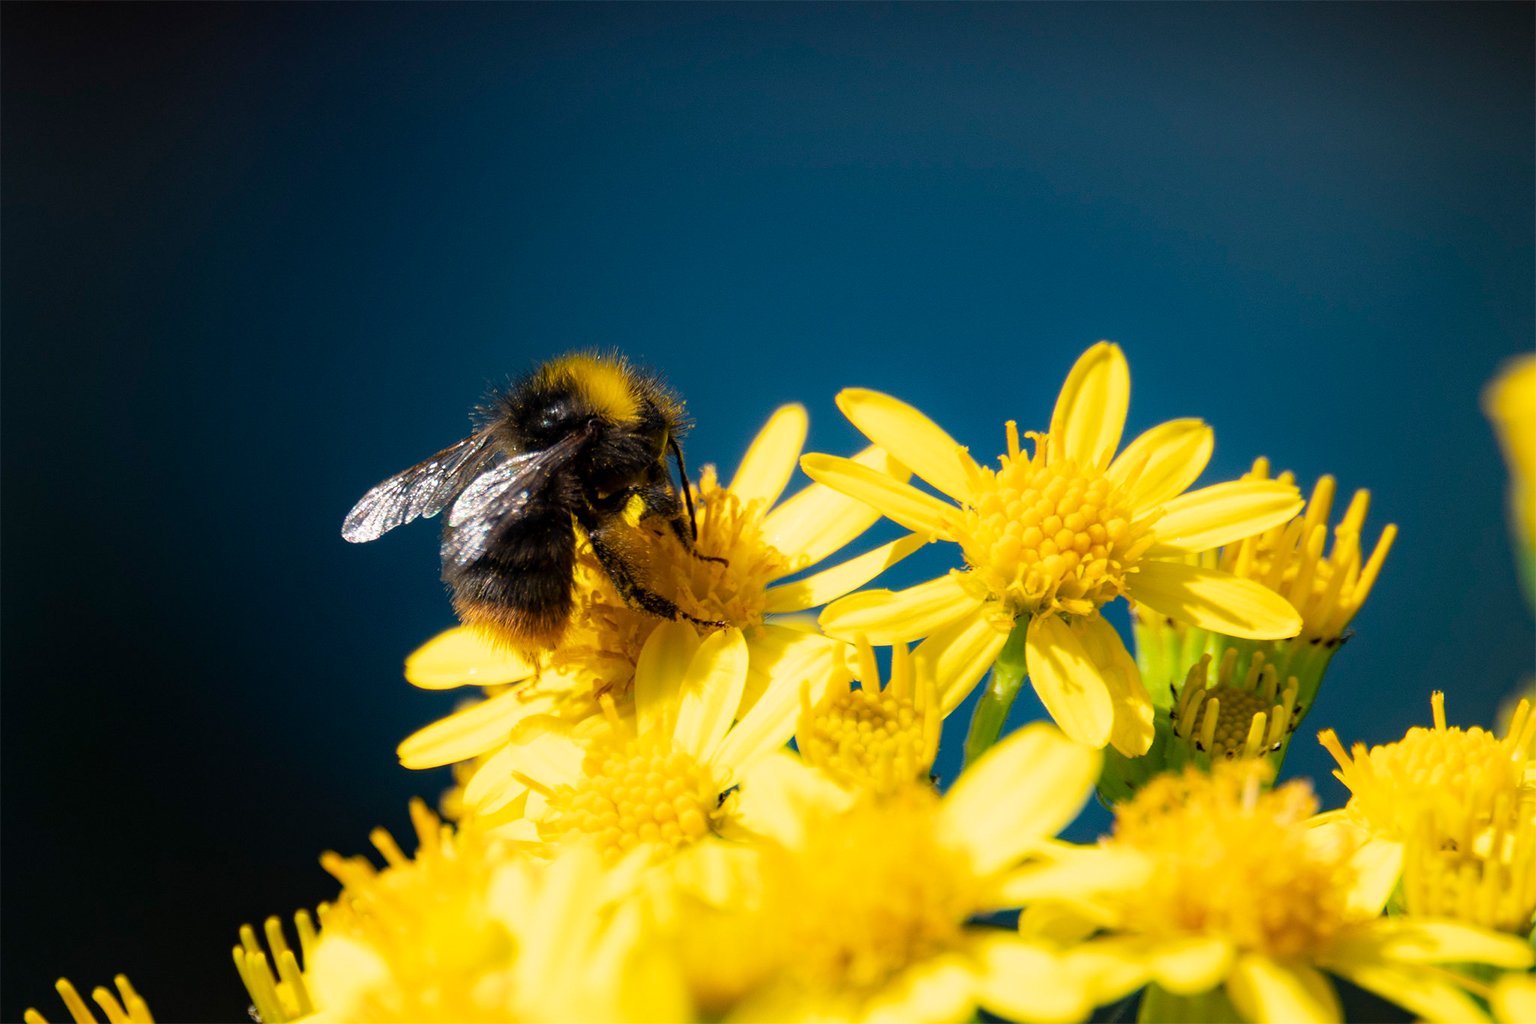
(633, 791)
(1049, 536)
(871, 892)
(1233, 859)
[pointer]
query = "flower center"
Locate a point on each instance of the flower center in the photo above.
(866, 739)
(1246, 716)
(872, 892)
(634, 791)
(1049, 536)
(1235, 860)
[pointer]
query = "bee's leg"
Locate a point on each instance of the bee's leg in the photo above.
(687, 488)
(626, 582)
(661, 500)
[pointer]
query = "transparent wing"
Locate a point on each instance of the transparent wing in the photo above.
(499, 495)
(422, 490)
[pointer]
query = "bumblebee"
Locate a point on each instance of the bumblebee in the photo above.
(581, 444)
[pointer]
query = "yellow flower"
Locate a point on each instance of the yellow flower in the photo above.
(655, 779)
(874, 738)
(469, 930)
(874, 896)
(1231, 716)
(750, 543)
(1051, 537)
(124, 1008)
(281, 997)
(1457, 809)
(1213, 887)
(1510, 402)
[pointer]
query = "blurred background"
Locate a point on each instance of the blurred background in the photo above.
(257, 258)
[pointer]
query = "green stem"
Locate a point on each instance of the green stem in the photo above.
(1008, 674)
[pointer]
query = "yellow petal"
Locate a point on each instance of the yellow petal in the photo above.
(711, 692)
(937, 988)
(770, 461)
(1214, 600)
(840, 579)
(899, 502)
(1163, 461)
(913, 438)
(1420, 941)
(1427, 993)
(1069, 683)
(1090, 411)
(960, 654)
(1132, 732)
(1514, 998)
(817, 521)
(1079, 875)
(1190, 966)
(541, 748)
(464, 657)
(1263, 990)
(780, 793)
(468, 733)
(1025, 789)
(897, 616)
(1019, 980)
(659, 674)
(1225, 512)
(786, 659)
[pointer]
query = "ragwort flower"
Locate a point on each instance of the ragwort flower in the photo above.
(1050, 537)
(125, 1007)
(751, 542)
(1225, 895)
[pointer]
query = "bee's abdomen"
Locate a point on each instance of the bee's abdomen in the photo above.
(521, 589)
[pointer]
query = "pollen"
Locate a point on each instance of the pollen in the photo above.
(874, 738)
(727, 576)
(1045, 537)
(634, 791)
(871, 892)
(1233, 859)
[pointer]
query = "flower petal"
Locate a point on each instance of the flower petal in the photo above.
(897, 616)
(1163, 461)
(1019, 980)
(913, 438)
(463, 656)
(1213, 600)
(782, 661)
(770, 461)
(1264, 990)
(1090, 411)
(1409, 941)
(840, 579)
(1023, 790)
(1132, 732)
(781, 793)
(1429, 994)
(1193, 965)
(935, 988)
(899, 502)
(816, 521)
(711, 693)
(659, 674)
(960, 654)
(471, 731)
(1069, 682)
(1225, 512)
(541, 749)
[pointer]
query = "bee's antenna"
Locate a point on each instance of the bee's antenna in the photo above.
(682, 471)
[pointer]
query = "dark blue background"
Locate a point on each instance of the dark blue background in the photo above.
(258, 257)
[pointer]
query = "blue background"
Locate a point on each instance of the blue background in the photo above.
(257, 258)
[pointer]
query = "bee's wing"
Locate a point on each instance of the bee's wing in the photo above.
(422, 490)
(499, 495)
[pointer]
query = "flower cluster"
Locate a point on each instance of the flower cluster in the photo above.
(733, 816)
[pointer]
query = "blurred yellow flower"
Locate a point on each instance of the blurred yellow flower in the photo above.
(1051, 537)
(875, 895)
(750, 542)
(1510, 402)
(1218, 890)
